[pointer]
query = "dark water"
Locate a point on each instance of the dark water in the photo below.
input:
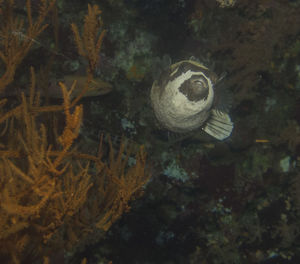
(208, 201)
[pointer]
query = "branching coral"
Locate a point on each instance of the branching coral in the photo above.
(45, 181)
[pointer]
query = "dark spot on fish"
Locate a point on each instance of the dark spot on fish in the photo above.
(195, 88)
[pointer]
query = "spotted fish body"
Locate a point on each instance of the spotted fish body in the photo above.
(183, 100)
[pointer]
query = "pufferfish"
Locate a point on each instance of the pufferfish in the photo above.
(185, 99)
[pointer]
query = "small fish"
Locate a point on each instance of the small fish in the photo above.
(262, 141)
(97, 87)
(185, 98)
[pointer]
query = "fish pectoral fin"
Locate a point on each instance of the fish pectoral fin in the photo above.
(219, 125)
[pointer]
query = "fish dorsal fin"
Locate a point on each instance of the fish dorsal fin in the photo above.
(218, 125)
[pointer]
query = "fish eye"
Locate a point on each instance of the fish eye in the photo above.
(200, 82)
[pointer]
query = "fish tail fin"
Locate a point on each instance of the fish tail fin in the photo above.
(219, 125)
